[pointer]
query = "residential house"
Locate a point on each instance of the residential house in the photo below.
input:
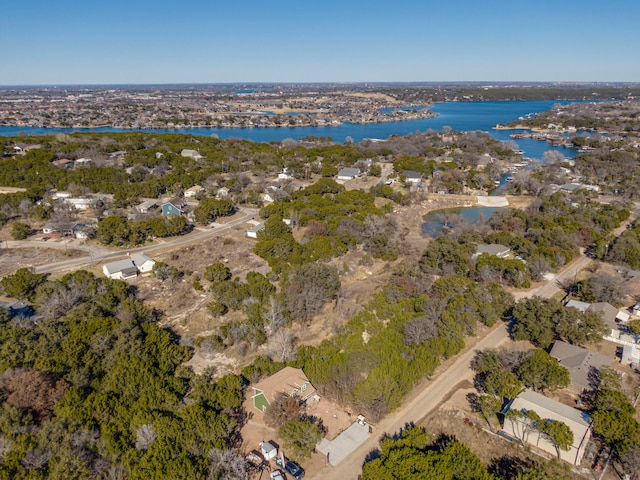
(84, 203)
(253, 232)
(581, 363)
(222, 192)
(411, 176)
(289, 381)
(579, 422)
(120, 270)
(493, 249)
(348, 174)
(142, 262)
(17, 309)
(631, 355)
(191, 154)
(129, 267)
(147, 206)
(284, 175)
(82, 162)
(610, 315)
(582, 306)
(175, 206)
(193, 191)
(62, 163)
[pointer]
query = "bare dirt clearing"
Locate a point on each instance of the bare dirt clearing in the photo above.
(12, 259)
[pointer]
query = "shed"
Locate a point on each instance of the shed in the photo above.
(269, 450)
(253, 232)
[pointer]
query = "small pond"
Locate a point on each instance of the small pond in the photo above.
(435, 222)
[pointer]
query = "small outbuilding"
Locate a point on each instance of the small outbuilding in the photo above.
(269, 451)
(253, 231)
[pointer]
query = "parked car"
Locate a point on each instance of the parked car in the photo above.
(294, 470)
(277, 475)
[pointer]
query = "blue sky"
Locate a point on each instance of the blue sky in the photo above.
(141, 41)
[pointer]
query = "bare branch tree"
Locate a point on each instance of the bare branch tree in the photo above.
(145, 436)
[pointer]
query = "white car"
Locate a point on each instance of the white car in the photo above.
(277, 475)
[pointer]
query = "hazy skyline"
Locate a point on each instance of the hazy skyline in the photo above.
(117, 42)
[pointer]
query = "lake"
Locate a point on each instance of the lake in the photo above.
(461, 116)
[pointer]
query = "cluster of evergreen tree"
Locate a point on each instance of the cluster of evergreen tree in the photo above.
(91, 386)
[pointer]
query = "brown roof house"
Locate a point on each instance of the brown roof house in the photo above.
(289, 381)
(581, 363)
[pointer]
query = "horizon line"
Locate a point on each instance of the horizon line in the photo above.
(271, 83)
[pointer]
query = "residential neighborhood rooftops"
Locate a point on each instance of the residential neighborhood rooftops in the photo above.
(579, 361)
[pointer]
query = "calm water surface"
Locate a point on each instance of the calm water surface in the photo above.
(461, 116)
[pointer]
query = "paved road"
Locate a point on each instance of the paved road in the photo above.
(98, 255)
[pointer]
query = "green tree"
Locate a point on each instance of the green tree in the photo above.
(20, 231)
(22, 284)
(114, 230)
(634, 326)
(489, 406)
(300, 436)
(211, 208)
(502, 383)
(558, 433)
(218, 272)
(541, 371)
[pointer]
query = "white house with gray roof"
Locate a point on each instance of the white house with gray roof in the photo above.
(143, 263)
(129, 267)
(120, 270)
(578, 421)
(348, 173)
